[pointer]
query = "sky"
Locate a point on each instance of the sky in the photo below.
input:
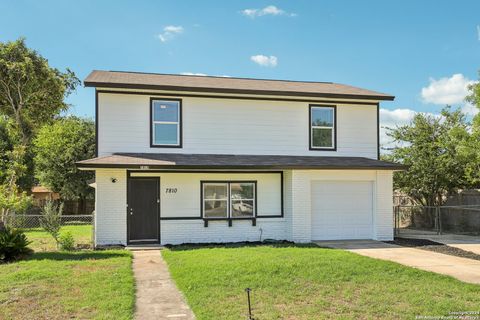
(423, 52)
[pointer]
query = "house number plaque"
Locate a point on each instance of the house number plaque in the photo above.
(170, 190)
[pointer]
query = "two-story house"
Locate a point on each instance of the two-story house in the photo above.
(191, 159)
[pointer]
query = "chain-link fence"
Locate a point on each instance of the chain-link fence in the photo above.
(27, 221)
(414, 219)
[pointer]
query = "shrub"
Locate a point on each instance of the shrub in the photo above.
(66, 241)
(51, 219)
(13, 244)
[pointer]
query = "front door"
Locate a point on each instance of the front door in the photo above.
(143, 211)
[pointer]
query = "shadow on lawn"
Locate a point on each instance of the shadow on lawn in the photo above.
(233, 245)
(75, 256)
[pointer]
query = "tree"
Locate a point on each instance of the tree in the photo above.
(51, 220)
(6, 145)
(11, 198)
(9, 140)
(31, 92)
(471, 148)
(431, 147)
(57, 147)
(474, 96)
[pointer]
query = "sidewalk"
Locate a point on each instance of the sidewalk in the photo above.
(157, 297)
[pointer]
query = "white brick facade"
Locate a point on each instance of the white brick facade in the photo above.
(110, 207)
(295, 225)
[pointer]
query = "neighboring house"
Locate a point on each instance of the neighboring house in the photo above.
(190, 159)
(41, 194)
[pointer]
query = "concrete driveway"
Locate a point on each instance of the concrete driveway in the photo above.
(468, 243)
(463, 269)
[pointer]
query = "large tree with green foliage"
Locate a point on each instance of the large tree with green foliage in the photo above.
(32, 93)
(432, 148)
(471, 148)
(57, 147)
(12, 199)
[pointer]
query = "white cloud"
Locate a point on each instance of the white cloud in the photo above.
(170, 32)
(392, 119)
(470, 109)
(265, 61)
(396, 117)
(268, 10)
(451, 90)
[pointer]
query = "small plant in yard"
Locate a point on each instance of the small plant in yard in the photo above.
(13, 245)
(51, 220)
(67, 242)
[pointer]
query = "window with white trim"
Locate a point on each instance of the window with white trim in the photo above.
(166, 123)
(322, 127)
(228, 200)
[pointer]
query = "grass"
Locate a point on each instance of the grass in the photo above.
(303, 282)
(42, 241)
(61, 285)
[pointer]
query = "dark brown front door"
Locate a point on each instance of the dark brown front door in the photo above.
(143, 211)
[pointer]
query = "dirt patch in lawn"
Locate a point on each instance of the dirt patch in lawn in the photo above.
(429, 245)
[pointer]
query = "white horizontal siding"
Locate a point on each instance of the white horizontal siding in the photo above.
(186, 201)
(232, 126)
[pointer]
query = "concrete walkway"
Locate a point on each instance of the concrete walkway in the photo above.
(464, 269)
(157, 297)
(468, 243)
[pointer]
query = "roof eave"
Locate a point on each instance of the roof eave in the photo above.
(93, 166)
(235, 91)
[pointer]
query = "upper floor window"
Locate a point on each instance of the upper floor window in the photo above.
(322, 127)
(166, 126)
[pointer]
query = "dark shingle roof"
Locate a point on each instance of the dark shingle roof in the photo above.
(221, 161)
(155, 81)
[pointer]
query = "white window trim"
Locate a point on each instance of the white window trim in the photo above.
(154, 122)
(332, 128)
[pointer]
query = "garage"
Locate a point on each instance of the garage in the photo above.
(342, 210)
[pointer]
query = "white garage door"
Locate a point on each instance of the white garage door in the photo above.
(342, 210)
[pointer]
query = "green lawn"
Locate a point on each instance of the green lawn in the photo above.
(42, 241)
(311, 283)
(60, 285)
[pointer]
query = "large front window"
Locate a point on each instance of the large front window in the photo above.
(226, 200)
(166, 123)
(322, 127)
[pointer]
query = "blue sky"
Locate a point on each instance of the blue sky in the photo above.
(423, 52)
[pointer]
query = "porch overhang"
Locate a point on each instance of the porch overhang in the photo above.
(178, 161)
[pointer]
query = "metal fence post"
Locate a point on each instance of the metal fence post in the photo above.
(93, 230)
(397, 219)
(440, 220)
(437, 225)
